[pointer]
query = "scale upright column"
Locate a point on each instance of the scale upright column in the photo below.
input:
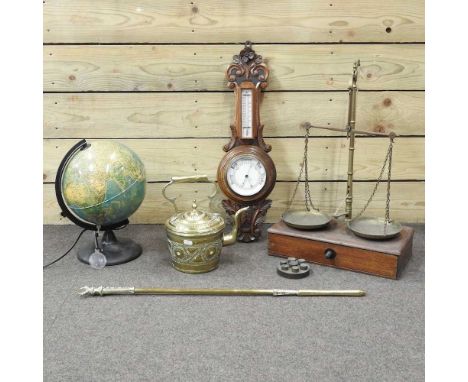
(351, 135)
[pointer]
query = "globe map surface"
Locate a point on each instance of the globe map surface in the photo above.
(104, 183)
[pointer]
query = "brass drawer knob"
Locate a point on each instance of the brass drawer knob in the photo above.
(330, 254)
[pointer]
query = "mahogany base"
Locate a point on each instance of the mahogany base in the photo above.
(250, 227)
(336, 246)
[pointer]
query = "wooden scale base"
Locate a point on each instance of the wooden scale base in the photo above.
(336, 246)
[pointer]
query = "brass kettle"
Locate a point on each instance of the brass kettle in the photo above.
(195, 237)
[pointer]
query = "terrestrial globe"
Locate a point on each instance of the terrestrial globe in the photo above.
(98, 186)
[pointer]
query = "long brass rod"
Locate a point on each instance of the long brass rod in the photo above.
(360, 132)
(249, 292)
(106, 291)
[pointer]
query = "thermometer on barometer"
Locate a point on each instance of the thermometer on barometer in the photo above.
(247, 113)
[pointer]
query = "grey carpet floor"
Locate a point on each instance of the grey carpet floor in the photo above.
(379, 337)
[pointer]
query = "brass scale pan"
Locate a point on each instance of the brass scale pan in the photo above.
(306, 220)
(374, 228)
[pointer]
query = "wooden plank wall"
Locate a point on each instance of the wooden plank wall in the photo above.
(151, 74)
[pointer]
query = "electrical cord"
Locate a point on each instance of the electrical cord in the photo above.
(66, 253)
(74, 244)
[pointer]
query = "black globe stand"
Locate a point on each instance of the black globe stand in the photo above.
(117, 251)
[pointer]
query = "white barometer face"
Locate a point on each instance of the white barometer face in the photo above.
(246, 175)
(247, 113)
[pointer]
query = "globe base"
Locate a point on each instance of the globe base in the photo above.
(116, 251)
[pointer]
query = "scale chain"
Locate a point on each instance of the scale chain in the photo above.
(296, 187)
(304, 166)
(388, 158)
(307, 197)
(389, 177)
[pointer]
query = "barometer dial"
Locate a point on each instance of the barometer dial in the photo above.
(246, 175)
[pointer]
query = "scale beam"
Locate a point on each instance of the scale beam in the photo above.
(345, 130)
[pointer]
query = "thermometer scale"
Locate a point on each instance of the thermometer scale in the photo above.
(247, 113)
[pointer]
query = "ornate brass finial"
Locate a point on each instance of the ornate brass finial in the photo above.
(247, 66)
(354, 78)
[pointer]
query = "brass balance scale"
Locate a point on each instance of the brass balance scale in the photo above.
(379, 246)
(312, 218)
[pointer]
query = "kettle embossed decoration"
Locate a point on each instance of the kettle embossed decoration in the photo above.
(195, 238)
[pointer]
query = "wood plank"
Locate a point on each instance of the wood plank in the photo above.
(164, 158)
(407, 201)
(201, 67)
(173, 115)
(168, 21)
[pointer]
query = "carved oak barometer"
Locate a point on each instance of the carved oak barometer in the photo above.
(246, 174)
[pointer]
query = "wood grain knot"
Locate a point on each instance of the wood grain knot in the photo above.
(387, 102)
(379, 128)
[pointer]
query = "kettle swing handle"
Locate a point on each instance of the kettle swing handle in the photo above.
(188, 179)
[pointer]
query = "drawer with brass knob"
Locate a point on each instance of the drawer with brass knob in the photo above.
(336, 246)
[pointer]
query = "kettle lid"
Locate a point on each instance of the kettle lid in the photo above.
(195, 222)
